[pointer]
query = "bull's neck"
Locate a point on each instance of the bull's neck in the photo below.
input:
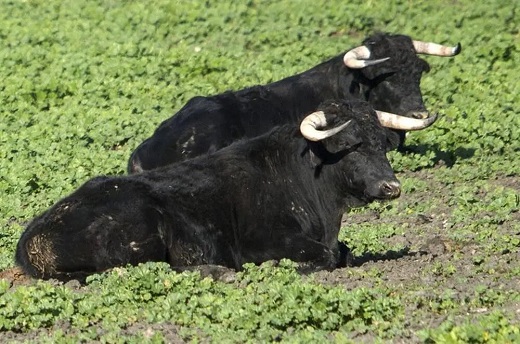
(305, 91)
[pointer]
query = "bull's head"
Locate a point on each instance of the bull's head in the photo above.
(389, 72)
(350, 135)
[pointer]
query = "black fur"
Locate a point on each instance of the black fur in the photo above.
(206, 124)
(270, 197)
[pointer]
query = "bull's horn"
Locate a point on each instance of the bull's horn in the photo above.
(429, 48)
(393, 121)
(311, 123)
(358, 58)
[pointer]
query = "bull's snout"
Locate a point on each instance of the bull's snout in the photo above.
(389, 189)
(418, 114)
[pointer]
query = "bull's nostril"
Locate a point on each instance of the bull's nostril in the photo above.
(392, 189)
(419, 114)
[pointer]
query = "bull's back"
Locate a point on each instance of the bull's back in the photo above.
(207, 124)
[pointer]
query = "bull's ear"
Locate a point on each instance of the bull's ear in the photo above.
(425, 66)
(351, 140)
(394, 139)
(337, 146)
(378, 72)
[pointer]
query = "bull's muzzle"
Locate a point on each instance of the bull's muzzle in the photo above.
(389, 189)
(418, 114)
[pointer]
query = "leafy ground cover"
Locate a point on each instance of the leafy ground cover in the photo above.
(84, 82)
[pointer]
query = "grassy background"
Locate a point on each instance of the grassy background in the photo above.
(83, 82)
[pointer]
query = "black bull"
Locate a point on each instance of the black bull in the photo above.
(385, 71)
(279, 195)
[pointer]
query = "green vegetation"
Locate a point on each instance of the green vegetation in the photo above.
(85, 81)
(152, 293)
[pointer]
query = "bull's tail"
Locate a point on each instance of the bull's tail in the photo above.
(35, 255)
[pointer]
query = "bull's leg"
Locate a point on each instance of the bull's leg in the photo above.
(314, 256)
(345, 255)
(344, 258)
(217, 272)
(311, 255)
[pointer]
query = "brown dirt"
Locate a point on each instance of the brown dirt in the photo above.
(15, 277)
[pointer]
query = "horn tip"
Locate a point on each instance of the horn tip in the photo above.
(457, 49)
(432, 119)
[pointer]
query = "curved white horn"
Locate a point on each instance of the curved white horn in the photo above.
(429, 48)
(310, 124)
(357, 58)
(393, 121)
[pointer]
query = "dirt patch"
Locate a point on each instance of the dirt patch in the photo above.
(16, 277)
(442, 276)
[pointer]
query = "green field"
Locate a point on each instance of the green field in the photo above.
(83, 82)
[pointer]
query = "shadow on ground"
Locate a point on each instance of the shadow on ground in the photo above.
(444, 157)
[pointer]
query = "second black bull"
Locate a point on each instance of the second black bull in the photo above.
(279, 195)
(385, 71)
